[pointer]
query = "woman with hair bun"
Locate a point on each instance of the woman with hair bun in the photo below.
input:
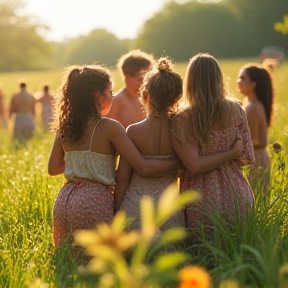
(160, 93)
(255, 83)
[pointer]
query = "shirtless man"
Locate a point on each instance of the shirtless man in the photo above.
(126, 107)
(23, 106)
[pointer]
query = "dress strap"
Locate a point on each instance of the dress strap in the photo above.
(92, 137)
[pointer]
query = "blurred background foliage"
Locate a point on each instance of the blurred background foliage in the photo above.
(226, 29)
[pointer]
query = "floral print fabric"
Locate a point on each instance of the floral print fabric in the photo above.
(82, 204)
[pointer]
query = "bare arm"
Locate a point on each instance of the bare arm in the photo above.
(56, 164)
(114, 109)
(132, 156)
(124, 174)
(11, 107)
(253, 118)
(195, 164)
(33, 105)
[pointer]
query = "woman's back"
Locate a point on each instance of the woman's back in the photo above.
(152, 136)
(89, 158)
(224, 188)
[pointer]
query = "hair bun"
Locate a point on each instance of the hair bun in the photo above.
(164, 64)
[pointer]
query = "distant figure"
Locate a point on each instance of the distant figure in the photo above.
(255, 82)
(46, 100)
(3, 122)
(126, 107)
(23, 106)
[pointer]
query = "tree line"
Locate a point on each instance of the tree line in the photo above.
(226, 29)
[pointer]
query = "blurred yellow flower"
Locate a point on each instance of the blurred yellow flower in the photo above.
(112, 236)
(194, 277)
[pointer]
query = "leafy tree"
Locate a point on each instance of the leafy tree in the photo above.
(186, 29)
(257, 19)
(99, 46)
(21, 46)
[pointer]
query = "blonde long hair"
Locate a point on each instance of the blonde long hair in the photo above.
(205, 92)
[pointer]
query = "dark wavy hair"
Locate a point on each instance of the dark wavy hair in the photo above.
(77, 101)
(264, 87)
(164, 87)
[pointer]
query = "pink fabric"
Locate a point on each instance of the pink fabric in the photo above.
(81, 205)
(225, 191)
(153, 187)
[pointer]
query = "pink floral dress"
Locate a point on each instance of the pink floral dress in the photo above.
(86, 200)
(225, 191)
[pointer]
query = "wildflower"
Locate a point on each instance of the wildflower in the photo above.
(277, 147)
(112, 236)
(194, 277)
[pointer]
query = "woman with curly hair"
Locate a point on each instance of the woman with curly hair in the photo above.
(213, 122)
(255, 83)
(160, 92)
(84, 150)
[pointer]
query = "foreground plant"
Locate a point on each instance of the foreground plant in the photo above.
(127, 259)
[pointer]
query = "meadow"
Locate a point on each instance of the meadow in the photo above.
(254, 256)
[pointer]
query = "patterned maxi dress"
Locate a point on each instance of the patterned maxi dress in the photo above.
(153, 187)
(225, 191)
(86, 200)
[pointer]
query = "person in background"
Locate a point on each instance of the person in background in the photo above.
(213, 122)
(46, 100)
(3, 120)
(255, 83)
(22, 104)
(126, 107)
(160, 92)
(84, 150)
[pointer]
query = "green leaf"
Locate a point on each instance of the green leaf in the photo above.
(169, 260)
(173, 234)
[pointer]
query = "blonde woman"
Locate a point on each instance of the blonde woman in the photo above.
(214, 123)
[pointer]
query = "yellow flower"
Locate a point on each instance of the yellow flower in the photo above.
(112, 236)
(194, 277)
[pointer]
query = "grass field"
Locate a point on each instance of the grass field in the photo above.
(27, 257)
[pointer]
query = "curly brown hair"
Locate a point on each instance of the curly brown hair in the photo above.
(77, 101)
(164, 87)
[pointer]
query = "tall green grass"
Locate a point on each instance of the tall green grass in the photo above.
(252, 254)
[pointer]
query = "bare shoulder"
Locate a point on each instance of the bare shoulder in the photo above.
(179, 118)
(136, 128)
(254, 107)
(120, 96)
(111, 124)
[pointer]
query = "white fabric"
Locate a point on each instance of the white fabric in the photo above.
(90, 165)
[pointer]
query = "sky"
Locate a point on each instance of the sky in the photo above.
(71, 18)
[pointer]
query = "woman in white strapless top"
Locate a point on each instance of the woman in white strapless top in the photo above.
(84, 150)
